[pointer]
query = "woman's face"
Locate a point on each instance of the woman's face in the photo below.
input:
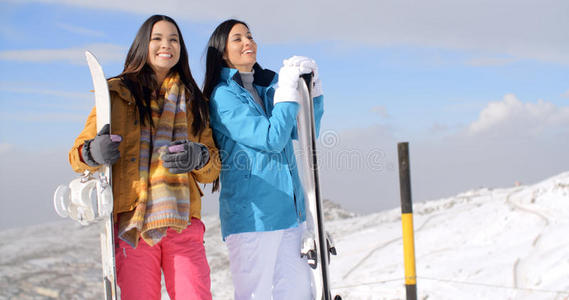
(163, 49)
(241, 49)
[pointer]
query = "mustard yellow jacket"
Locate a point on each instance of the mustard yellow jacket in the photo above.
(125, 121)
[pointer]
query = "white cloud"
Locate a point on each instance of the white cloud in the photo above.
(513, 117)
(106, 53)
(521, 29)
(11, 87)
(80, 30)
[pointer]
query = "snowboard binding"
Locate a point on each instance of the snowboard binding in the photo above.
(86, 199)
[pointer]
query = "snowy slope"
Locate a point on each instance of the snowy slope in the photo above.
(509, 243)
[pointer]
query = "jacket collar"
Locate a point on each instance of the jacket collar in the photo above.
(116, 85)
(262, 77)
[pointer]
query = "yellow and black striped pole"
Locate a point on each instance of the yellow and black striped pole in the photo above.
(407, 221)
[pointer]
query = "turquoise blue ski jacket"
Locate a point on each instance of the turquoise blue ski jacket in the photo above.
(260, 186)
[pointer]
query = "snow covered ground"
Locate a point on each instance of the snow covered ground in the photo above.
(508, 243)
(482, 244)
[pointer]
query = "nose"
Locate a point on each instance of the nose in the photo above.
(165, 44)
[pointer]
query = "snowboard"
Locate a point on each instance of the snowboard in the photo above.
(103, 107)
(316, 244)
(89, 198)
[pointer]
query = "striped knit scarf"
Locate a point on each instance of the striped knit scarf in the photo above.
(164, 198)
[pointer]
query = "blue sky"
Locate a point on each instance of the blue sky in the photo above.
(480, 89)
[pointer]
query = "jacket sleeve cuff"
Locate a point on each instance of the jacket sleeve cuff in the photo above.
(85, 154)
(210, 171)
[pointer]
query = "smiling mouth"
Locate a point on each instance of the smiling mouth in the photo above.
(248, 52)
(164, 55)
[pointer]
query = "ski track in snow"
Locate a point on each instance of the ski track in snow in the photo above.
(508, 243)
(531, 211)
(520, 266)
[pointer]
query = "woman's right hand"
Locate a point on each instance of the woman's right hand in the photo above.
(289, 75)
(103, 149)
(287, 86)
(184, 156)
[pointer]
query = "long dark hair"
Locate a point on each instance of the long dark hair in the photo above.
(140, 79)
(215, 62)
(214, 57)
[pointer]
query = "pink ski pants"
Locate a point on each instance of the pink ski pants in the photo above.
(181, 256)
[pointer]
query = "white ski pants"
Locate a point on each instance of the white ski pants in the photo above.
(267, 265)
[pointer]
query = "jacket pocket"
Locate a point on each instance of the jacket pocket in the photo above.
(235, 183)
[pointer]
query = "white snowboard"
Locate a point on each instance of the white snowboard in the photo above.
(89, 198)
(103, 107)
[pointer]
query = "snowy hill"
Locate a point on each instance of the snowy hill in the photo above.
(508, 243)
(482, 244)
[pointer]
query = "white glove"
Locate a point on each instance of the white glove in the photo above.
(306, 66)
(287, 87)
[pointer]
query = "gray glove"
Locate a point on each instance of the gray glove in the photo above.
(185, 156)
(103, 149)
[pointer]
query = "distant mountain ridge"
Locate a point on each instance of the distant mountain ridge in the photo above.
(334, 211)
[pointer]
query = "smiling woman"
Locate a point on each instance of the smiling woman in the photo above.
(156, 107)
(262, 210)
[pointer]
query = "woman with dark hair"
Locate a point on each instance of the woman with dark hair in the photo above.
(253, 116)
(166, 149)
